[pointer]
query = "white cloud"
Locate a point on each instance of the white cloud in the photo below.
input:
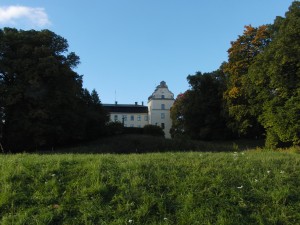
(25, 15)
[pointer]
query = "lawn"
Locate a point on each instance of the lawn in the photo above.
(246, 187)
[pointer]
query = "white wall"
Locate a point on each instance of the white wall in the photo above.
(159, 115)
(144, 119)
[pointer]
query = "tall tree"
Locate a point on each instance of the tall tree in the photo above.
(274, 79)
(41, 96)
(178, 114)
(241, 55)
(198, 112)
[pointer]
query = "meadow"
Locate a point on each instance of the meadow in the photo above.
(243, 187)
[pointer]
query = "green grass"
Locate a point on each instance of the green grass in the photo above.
(251, 187)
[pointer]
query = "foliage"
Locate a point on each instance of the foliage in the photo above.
(42, 101)
(169, 188)
(274, 78)
(153, 130)
(177, 113)
(198, 112)
(241, 54)
(114, 128)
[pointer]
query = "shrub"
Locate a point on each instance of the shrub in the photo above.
(154, 130)
(113, 128)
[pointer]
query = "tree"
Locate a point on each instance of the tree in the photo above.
(198, 112)
(241, 54)
(42, 99)
(274, 79)
(177, 114)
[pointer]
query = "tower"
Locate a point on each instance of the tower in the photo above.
(159, 105)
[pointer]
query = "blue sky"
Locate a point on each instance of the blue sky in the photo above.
(127, 47)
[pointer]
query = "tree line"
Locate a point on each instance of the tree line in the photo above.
(255, 94)
(42, 100)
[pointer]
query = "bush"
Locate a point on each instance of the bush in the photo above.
(154, 130)
(113, 128)
(133, 130)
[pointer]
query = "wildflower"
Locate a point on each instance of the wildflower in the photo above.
(281, 171)
(268, 171)
(165, 218)
(240, 187)
(53, 175)
(256, 180)
(130, 221)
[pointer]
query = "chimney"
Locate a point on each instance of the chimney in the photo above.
(116, 102)
(135, 103)
(142, 103)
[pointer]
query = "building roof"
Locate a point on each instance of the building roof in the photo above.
(125, 108)
(162, 84)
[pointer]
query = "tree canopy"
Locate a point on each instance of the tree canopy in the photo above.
(42, 100)
(198, 112)
(274, 79)
(241, 55)
(256, 93)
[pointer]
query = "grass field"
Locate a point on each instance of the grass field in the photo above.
(247, 187)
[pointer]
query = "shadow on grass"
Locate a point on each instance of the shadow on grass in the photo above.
(132, 143)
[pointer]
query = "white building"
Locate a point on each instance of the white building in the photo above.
(157, 112)
(159, 105)
(131, 115)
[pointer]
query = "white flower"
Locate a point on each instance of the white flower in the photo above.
(281, 171)
(268, 171)
(165, 218)
(240, 187)
(53, 174)
(130, 221)
(256, 180)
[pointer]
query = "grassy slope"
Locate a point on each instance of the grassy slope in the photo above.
(132, 143)
(162, 188)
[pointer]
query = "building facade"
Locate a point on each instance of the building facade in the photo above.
(130, 115)
(156, 113)
(159, 105)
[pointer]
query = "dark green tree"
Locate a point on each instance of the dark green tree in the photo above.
(41, 101)
(274, 81)
(177, 113)
(198, 112)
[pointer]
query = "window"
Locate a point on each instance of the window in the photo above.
(125, 117)
(162, 96)
(116, 118)
(162, 125)
(162, 115)
(139, 118)
(132, 117)
(131, 125)
(146, 118)
(162, 106)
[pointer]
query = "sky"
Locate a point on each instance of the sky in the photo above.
(127, 47)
